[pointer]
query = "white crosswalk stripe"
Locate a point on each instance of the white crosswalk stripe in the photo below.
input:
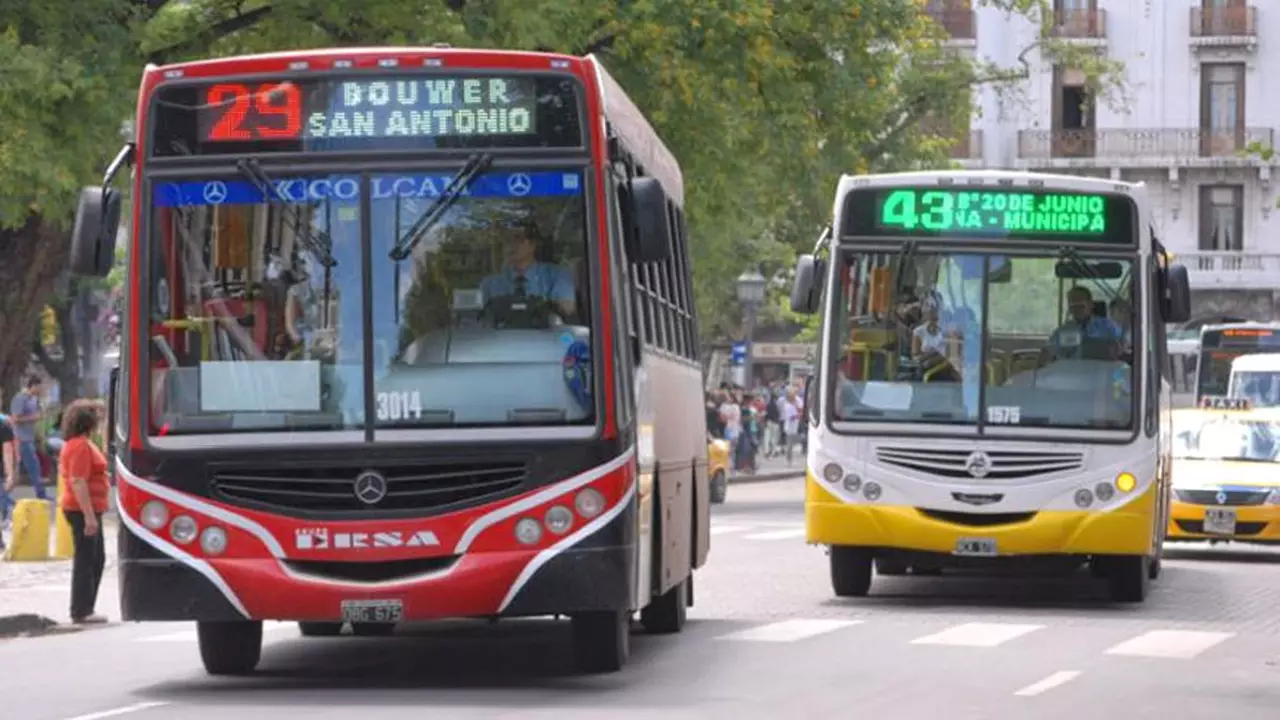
(725, 529)
(789, 630)
(977, 634)
(190, 635)
(1172, 644)
(777, 534)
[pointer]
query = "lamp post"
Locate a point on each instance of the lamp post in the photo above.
(751, 288)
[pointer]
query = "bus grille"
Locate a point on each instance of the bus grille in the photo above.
(333, 489)
(1232, 497)
(1005, 464)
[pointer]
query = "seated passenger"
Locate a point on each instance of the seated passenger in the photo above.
(523, 276)
(929, 338)
(1085, 335)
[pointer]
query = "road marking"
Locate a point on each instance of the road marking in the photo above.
(722, 529)
(1172, 644)
(777, 534)
(977, 634)
(1059, 678)
(116, 712)
(789, 630)
(191, 636)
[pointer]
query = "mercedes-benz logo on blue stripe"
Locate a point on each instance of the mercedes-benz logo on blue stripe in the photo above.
(215, 192)
(519, 184)
(370, 487)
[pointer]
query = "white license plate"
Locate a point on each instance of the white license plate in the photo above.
(976, 547)
(372, 611)
(1220, 521)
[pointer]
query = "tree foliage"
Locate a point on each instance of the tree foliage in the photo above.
(764, 103)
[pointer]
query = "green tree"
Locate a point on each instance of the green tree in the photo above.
(765, 103)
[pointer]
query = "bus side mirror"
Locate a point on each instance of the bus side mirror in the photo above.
(650, 239)
(1177, 299)
(804, 296)
(93, 237)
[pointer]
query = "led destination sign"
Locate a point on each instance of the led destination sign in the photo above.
(377, 112)
(1004, 213)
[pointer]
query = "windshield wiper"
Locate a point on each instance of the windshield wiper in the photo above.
(1078, 262)
(320, 246)
(475, 165)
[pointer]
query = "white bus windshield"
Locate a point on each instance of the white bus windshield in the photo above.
(1047, 340)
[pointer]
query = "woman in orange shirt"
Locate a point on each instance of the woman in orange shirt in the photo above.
(84, 501)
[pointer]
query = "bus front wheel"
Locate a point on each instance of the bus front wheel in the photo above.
(230, 648)
(1129, 577)
(602, 640)
(851, 570)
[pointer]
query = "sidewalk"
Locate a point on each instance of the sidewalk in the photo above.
(772, 469)
(35, 596)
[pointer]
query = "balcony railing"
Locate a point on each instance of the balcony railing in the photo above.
(1211, 22)
(1227, 270)
(968, 146)
(1139, 143)
(959, 23)
(1086, 24)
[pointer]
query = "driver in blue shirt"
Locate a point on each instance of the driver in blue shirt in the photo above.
(1083, 325)
(524, 276)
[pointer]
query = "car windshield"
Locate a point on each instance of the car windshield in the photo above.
(1260, 387)
(477, 318)
(913, 329)
(1212, 436)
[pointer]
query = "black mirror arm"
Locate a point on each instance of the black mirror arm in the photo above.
(124, 156)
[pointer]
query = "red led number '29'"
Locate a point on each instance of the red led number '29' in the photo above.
(272, 111)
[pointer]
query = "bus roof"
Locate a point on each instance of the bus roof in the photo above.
(1254, 362)
(992, 177)
(641, 139)
(1234, 325)
(365, 58)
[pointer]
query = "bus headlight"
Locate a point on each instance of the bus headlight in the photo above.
(528, 531)
(871, 491)
(213, 541)
(1104, 491)
(155, 515)
(1126, 482)
(852, 482)
(559, 519)
(1084, 498)
(184, 529)
(832, 473)
(589, 503)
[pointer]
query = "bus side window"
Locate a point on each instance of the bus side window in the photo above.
(1156, 355)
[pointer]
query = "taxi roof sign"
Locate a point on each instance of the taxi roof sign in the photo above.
(1219, 402)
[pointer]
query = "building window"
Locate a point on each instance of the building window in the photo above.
(1073, 114)
(1222, 218)
(1222, 108)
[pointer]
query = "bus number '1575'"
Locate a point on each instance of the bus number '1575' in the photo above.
(399, 405)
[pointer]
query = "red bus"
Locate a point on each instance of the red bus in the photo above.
(410, 336)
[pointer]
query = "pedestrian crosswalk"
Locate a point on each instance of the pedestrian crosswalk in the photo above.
(1164, 644)
(758, 531)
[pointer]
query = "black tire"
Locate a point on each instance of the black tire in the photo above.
(320, 629)
(1129, 577)
(850, 571)
(719, 487)
(887, 567)
(666, 613)
(230, 648)
(373, 629)
(602, 641)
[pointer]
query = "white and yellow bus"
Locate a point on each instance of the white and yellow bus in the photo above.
(990, 388)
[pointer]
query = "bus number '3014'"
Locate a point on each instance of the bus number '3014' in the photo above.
(400, 405)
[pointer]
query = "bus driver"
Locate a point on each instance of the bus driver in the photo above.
(523, 275)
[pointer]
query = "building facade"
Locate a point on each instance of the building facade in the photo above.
(1197, 94)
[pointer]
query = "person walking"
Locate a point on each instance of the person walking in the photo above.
(24, 415)
(84, 502)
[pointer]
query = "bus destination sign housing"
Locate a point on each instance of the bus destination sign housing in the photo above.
(985, 212)
(369, 112)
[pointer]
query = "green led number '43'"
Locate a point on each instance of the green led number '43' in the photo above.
(980, 210)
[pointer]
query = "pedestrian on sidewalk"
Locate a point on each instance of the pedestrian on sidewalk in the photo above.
(24, 415)
(84, 502)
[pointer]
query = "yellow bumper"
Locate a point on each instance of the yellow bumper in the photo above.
(1260, 523)
(1126, 531)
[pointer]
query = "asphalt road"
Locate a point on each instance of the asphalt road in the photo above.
(767, 639)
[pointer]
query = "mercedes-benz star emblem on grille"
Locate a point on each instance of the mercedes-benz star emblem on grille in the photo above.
(978, 464)
(1222, 497)
(370, 487)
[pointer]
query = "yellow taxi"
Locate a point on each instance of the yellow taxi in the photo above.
(1226, 475)
(718, 468)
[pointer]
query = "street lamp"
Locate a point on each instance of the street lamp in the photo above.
(751, 289)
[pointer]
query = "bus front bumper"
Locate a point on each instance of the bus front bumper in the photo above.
(1123, 531)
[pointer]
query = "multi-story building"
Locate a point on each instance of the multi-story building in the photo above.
(1197, 95)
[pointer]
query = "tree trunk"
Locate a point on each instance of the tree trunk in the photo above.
(31, 258)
